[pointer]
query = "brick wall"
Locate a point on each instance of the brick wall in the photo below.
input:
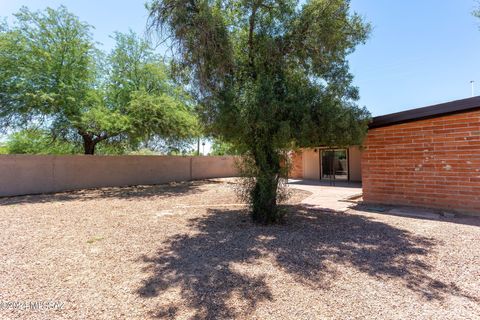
(432, 163)
(296, 170)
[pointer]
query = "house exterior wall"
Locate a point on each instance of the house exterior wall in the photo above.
(355, 163)
(431, 163)
(305, 164)
(296, 170)
(311, 164)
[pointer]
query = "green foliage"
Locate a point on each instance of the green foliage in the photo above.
(36, 141)
(52, 75)
(3, 149)
(160, 114)
(221, 148)
(476, 12)
(47, 67)
(270, 76)
(143, 152)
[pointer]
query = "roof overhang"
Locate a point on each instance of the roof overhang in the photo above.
(433, 111)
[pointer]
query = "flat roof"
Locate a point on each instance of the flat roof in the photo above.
(433, 111)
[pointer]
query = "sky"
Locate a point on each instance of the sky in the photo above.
(420, 52)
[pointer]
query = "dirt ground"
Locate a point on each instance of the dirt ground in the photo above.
(190, 251)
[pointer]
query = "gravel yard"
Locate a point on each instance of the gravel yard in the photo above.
(190, 251)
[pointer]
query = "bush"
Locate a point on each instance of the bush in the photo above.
(221, 148)
(37, 141)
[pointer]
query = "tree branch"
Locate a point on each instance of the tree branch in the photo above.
(251, 29)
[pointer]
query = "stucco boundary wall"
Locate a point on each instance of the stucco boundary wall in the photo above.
(34, 174)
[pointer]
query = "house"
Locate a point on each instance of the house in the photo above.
(428, 157)
(322, 163)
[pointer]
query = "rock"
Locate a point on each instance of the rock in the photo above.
(448, 214)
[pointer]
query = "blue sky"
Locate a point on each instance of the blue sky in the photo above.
(421, 52)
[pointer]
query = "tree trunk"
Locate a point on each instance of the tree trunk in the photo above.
(89, 145)
(264, 193)
(264, 196)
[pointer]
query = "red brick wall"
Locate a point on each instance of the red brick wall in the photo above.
(432, 163)
(296, 162)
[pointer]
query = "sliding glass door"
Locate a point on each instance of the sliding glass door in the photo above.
(335, 164)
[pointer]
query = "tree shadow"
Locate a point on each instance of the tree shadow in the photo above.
(203, 266)
(132, 193)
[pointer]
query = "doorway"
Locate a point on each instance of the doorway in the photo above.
(334, 164)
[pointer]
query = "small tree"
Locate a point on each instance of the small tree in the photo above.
(52, 75)
(270, 75)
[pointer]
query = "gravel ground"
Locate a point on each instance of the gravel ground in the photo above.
(190, 251)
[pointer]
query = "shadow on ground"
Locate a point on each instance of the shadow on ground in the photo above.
(311, 247)
(133, 193)
(384, 210)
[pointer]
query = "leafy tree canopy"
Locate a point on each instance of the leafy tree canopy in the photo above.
(37, 141)
(52, 75)
(221, 148)
(3, 149)
(270, 75)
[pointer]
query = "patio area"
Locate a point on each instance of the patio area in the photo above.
(328, 195)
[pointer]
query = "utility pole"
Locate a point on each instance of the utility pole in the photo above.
(198, 146)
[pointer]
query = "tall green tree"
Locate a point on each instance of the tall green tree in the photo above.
(52, 75)
(270, 75)
(47, 70)
(139, 85)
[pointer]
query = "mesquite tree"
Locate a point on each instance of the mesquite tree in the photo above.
(53, 78)
(270, 75)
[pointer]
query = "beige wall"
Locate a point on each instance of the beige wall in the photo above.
(213, 167)
(30, 174)
(355, 163)
(311, 164)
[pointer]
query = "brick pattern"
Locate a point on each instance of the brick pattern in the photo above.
(432, 163)
(296, 162)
